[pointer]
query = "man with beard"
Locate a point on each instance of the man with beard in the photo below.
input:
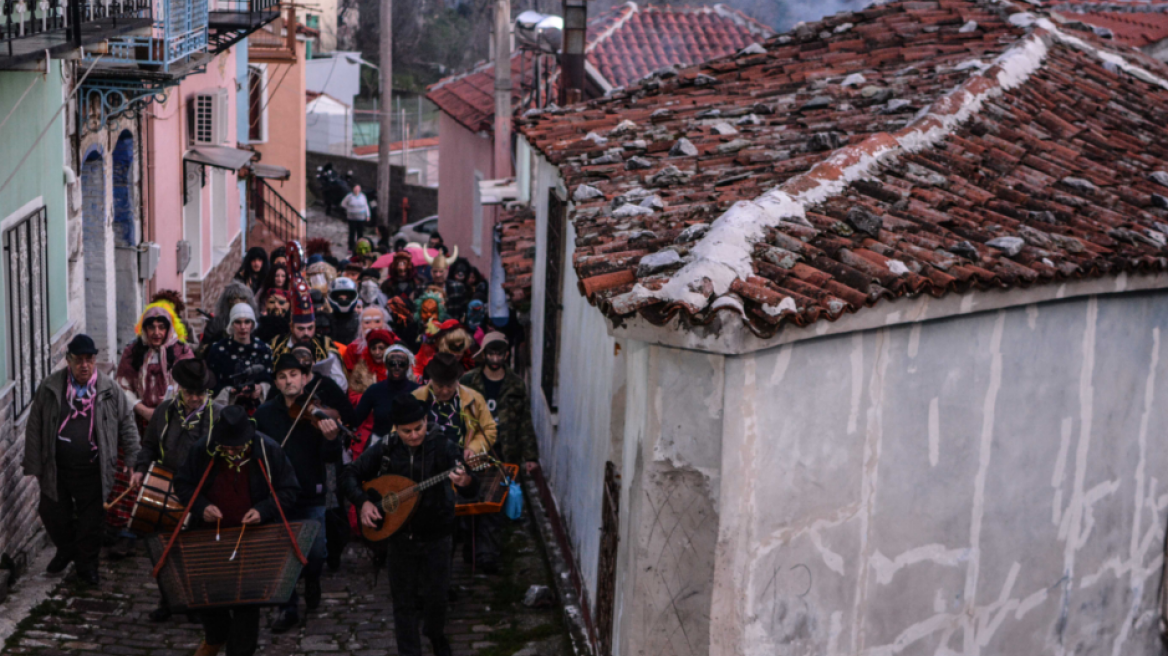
(276, 319)
(346, 321)
(234, 493)
(176, 426)
(304, 331)
(241, 362)
(310, 445)
(506, 397)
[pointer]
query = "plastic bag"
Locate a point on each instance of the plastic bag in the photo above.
(513, 506)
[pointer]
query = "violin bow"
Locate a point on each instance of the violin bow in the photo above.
(303, 407)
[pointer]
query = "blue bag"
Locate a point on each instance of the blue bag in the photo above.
(513, 506)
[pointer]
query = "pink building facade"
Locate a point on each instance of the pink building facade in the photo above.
(464, 221)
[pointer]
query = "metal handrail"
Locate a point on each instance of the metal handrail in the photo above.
(275, 212)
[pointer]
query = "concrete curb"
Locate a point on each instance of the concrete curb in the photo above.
(561, 578)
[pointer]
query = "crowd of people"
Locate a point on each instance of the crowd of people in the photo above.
(337, 371)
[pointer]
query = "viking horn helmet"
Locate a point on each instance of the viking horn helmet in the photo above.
(440, 261)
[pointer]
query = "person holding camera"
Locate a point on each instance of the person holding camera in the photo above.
(241, 362)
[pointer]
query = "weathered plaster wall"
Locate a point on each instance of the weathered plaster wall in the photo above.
(669, 504)
(982, 484)
(286, 125)
(461, 154)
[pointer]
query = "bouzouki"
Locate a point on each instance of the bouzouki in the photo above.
(397, 497)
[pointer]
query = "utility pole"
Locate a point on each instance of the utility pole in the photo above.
(385, 115)
(502, 88)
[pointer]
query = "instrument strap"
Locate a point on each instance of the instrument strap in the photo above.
(303, 407)
(276, 499)
(182, 520)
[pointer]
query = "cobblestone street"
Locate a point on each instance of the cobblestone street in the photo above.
(487, 618)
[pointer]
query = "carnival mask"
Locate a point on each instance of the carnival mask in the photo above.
(428, 311)
(276, 306)
(372, 319)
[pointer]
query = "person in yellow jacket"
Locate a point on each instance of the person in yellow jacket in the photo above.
(459, 411)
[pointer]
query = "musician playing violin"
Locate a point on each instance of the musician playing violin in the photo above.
(419, 552)
(293, 420)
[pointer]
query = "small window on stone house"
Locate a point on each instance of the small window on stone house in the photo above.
(25, 247)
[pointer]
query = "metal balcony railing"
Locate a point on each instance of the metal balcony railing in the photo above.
(234, 20)
(179, 31)
(29, 27)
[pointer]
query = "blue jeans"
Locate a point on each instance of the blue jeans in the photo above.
(317, 553)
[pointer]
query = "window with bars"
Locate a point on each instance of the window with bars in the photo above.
(26, 290)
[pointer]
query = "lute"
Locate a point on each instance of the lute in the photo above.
(397, 497)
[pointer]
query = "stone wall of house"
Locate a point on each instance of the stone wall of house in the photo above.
(205, 293)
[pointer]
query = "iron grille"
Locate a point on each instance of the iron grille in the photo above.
(552, 295)
(204, 119)
(606, 568)
(26, 287)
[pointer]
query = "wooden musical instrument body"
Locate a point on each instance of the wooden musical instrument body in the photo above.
(397, 497)
(157, 507)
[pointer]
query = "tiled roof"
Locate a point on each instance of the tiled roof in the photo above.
(364, 151)
(469, 98)
(1136, 26)
(631, 41)
(625, 44)
(913, 147)
(517, 251)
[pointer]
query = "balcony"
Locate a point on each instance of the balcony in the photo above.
(29, 28)
(233, 20)
(172, 46)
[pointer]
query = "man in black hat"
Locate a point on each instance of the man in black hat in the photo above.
(456, 409)
(310, 444)
(78, 419)
(419, 552)
(176, 426)
(235, 493)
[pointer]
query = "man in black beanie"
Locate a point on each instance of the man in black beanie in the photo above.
(419, 552)
(235, 493)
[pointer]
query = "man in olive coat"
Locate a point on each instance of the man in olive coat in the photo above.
(78, 419)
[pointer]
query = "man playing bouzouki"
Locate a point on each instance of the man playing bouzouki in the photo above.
(419, 552)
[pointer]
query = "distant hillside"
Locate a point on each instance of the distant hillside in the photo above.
(779, 14)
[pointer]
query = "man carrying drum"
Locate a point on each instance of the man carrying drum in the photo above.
(176, 426)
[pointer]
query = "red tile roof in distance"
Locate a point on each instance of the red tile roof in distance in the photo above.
(1130, 24)
(631, 41)
(909, 148)
(625, 44)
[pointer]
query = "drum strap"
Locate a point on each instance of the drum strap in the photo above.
(181, 520)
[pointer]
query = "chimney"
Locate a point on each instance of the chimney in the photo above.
(572, 55)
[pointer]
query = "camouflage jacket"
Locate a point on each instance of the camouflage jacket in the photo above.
(516, 435)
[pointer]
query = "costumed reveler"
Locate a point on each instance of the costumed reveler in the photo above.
(242, 362)
(276, 319)
(254, 270)
(447, 337)
(403, 324)
(366, 362)
(177, 425)
(235, 493)
(440, 268)
(303, 327)
(144, 374)
(346, 320)
(378, 398)
(403, 277)
(458, 294)
(234, 293)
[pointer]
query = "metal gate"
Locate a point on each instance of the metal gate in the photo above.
(26, 288)
(606, 570)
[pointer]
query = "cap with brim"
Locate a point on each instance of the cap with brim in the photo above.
(193, 374)
(444, 369)
(491, 338)
(406, 409)
(289, 361)
(233, 427)
(82, 344)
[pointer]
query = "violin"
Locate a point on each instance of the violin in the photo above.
(315, 412)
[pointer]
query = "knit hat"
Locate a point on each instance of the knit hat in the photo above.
(241, 311)
(380, 335)
(406, 409)
(444, 369)
(233, 427)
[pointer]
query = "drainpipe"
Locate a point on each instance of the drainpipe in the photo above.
(502, 88)
(572, 55)
(290, 31)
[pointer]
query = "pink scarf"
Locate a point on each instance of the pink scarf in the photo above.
(87, 402)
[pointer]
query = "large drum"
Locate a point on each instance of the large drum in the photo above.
(157, 508)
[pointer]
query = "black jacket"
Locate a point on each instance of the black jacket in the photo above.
(283, 479)
(306, 448)
(433, 517)
(167, 442)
